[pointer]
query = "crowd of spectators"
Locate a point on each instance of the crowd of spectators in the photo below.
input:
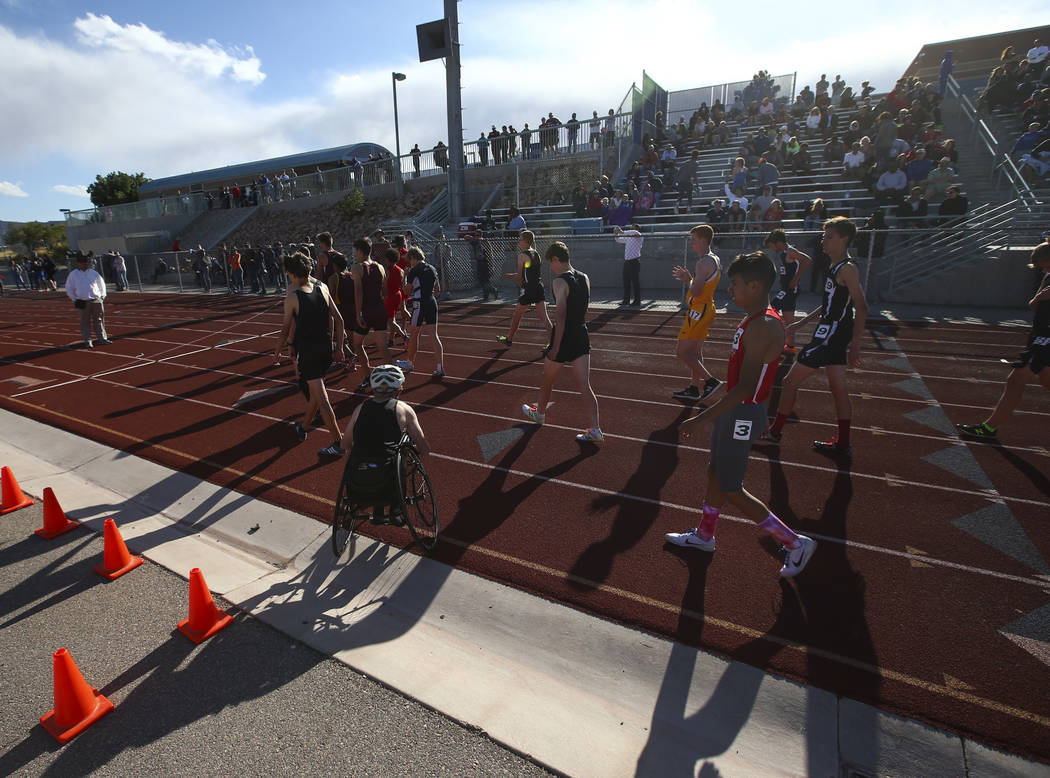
(1020, 87)
(891, 146)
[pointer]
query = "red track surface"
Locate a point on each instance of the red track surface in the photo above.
(899, 607)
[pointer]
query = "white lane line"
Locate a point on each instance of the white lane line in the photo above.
(1037, 582)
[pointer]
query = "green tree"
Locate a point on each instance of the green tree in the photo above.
(116, 187)
(36, 235)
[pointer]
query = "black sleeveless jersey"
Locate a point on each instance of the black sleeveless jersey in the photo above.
(312, 320)
(578, 300)
(532, 272)
(837, 305)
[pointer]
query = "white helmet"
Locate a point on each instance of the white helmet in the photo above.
(388, 378)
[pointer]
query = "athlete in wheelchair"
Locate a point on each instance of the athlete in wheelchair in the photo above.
(384, 480)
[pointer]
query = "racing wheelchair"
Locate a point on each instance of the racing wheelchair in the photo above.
(392, 490)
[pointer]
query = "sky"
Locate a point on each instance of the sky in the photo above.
(165, 88)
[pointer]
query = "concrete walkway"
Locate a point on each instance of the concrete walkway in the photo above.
(576, 693)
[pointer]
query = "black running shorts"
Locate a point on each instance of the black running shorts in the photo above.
(575, 344)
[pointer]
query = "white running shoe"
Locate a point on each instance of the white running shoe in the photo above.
(532, 413)
(690, 540)
(591, 435)
(405, 365)
(796, 558)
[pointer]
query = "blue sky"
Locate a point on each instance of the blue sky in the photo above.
(166, 88)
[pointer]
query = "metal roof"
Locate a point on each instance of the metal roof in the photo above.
(248, 171)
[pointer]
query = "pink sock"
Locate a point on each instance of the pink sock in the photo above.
(706, 528)
(781, 531)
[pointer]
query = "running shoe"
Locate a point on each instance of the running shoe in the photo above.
(504, 340)
(333, 450)
(300, 431)
(439, 373)
(689, 393)
(532, 413)
(690, 540)
(790, 349)
(769, 436)
(591, 435)
(105, 342)
(980, 431)
(710, 387)
(832, 447)
(796, 558)
(405, 365)
(88, 344)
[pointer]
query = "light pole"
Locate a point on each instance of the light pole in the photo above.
(400, 184)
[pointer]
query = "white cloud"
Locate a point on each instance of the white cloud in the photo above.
(12, 190)
(77, 190)
(208, 58)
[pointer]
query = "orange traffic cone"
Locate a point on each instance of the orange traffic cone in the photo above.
(205, 616)
(12, 492)
(77, 705)
(116, 559)
(55, 520)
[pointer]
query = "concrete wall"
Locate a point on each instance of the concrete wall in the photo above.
(1001, 282)
(101, 233)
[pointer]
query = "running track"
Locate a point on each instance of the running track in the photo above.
(929, 594)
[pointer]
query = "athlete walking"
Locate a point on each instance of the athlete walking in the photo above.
(842, 315)
(530, 281)
(791, 264)
(421, 284)
(570, 342)
(741, 413)
(1032, 363)
(701, 300)
(369, 294)
(311, 307)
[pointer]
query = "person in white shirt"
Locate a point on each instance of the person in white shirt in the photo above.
(736, 196)
(87, 290)
(1038, 53)
(853, 162)
(632, 263)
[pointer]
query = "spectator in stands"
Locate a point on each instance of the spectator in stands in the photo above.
(483, 149)
(650, 159)
(668, 157)
(621, 210)
(646, 200)
(774, 215)
(579, 202)
(1035, 165)
(815, 216)
(885, 135)
(813, 122)
(761, 204)
(947, 66)
(594, 127)
(1028, 140)
(738, 108)
(912, 211)
(766, 175)
(892, 185)
(1037, 55)
(939, 179)
(736, 195)
(855, 163)
(954, 205)
(416, 155)
(852, 134)
(716, 214)
(736, 215)
(836, 89)
(919, 169)
(572, 128)
(686, 180)
(517, 222)
(594, 203)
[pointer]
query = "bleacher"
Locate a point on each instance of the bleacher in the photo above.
(841, 195)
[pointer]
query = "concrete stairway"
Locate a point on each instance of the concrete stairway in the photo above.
(211, 227)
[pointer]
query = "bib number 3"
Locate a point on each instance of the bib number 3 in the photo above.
(742, 429)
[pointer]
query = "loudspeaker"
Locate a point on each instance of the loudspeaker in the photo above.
(434, 40)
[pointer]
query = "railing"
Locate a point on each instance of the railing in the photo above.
(685, 101)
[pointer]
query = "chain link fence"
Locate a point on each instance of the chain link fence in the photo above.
(913, 265)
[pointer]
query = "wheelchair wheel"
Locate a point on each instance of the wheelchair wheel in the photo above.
(417, 499)
(347, 516)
